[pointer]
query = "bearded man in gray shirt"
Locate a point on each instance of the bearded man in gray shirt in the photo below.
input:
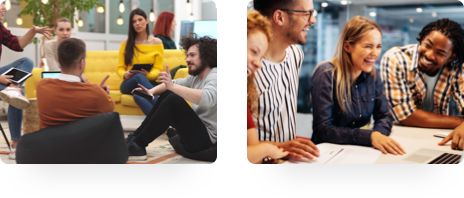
(195, 125)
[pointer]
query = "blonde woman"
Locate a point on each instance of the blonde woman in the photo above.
(258, 37)
(348, 91)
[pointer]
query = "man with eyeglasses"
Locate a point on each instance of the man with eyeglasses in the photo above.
(277, 80)
(424, 82)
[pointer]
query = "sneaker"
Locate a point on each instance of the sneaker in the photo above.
(130, 138)
(171, 132)
(136, 153)
(14, 97)
(12, 155)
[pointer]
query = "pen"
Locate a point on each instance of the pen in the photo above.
(439, 135)
(338, 152)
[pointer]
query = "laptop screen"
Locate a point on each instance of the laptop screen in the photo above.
(53, 74)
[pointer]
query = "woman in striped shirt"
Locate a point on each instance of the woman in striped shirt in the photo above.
(258, 35)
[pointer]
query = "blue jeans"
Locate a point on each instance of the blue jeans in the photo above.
(130, 84)
(15, 115)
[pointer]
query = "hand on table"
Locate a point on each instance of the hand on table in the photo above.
(456, 137)
(300, 148)
(386, 144)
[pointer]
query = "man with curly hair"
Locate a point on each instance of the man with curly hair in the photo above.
(195, 125)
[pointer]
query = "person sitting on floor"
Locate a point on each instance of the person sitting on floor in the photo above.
(195, 125)
(70, 96)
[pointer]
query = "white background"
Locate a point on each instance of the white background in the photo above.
(231, 175)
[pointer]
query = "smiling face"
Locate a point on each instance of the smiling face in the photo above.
(139, 23)
(299, 23)
(365, 52)
(257, 46)
(435, 50)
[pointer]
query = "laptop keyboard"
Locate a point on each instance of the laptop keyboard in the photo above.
(446, 158)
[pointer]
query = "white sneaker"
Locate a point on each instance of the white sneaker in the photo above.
(14, 97)
(12, 155)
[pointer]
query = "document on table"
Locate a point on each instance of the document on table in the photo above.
(344, 154)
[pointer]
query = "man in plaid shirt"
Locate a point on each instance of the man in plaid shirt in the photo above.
(11, 92)
(424, 82)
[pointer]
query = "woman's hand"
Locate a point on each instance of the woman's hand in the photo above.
(275, 152)
(5, 79)
(386, 144)
(142, 89)
(300, 148)
(128, 74)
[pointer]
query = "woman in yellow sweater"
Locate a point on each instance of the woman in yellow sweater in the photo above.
(140, 48)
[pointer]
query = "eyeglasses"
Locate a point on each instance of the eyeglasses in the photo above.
(306, 13)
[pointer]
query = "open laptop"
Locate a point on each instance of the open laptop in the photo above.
(50, 74)
(430, 156)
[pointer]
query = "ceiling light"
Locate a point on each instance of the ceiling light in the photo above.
(100, 9)
(152, 16)
(19, 20)
(121, 6)
(120, 21)
(7, 5)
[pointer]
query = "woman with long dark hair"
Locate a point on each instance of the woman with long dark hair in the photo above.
(140, 48)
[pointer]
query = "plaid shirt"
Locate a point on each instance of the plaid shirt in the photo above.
(405, 86)
(9, 40)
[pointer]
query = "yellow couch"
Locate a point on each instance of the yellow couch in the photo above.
(101, 63)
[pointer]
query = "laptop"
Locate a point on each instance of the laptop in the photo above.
(430, 156)
(50, 74)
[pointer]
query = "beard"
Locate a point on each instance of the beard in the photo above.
(429, 72)
(197, 71)
(295, 36)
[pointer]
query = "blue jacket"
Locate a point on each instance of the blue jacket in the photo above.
(368, 100)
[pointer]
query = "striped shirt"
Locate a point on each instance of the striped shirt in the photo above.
(277, 86)
(405, 86)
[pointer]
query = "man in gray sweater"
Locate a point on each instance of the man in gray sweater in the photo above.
(195, 125)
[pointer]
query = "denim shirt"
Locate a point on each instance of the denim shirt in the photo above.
(368, 99)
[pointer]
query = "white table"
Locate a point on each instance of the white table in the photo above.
(413, 139)
(410, 138)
